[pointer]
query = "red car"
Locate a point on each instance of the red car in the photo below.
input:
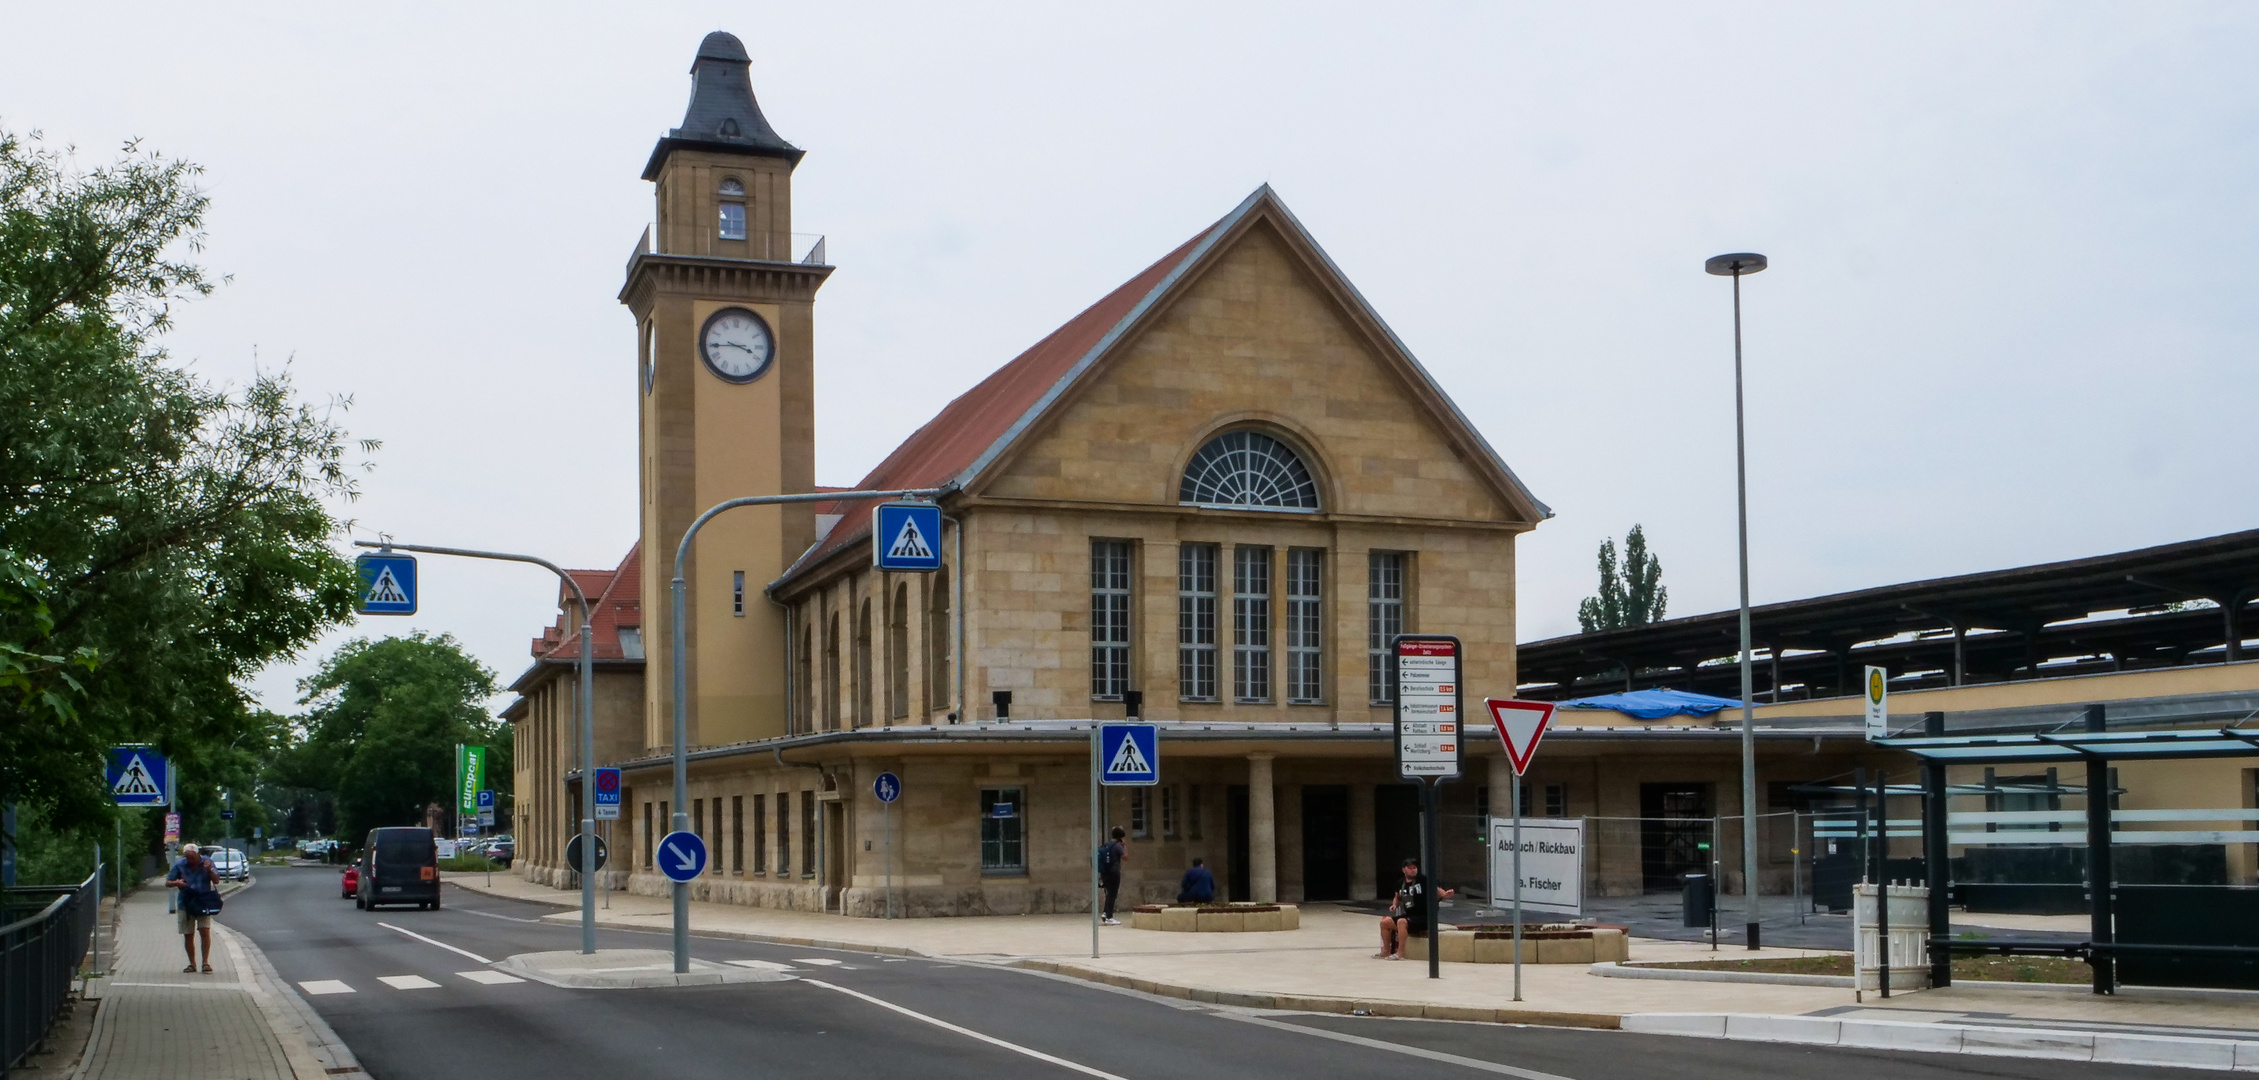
(352, 881)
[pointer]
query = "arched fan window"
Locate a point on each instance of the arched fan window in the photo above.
(1248, 468)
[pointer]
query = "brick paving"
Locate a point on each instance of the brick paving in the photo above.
(158, 1022)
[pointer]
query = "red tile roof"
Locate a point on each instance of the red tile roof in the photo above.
(955, 439)
(617, 596)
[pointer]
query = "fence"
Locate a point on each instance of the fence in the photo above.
(39, 956)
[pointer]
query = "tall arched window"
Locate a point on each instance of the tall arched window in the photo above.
(1248, 468)
(832, 690)
(898, 655)
(937, 640)
(863, 714)
(804, 677)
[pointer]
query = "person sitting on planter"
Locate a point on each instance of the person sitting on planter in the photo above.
(1407, 916)
(1198, 886)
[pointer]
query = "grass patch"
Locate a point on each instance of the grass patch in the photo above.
(2019, 969)
(469, 863)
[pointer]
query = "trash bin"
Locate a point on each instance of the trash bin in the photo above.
(1699, 898)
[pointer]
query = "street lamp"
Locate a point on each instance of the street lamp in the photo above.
(1734, 266)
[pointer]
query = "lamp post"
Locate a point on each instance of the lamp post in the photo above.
(584, 746)
(1734, 266)
(680, 661)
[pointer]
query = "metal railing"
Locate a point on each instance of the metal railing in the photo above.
(807, 249)
(39, 957)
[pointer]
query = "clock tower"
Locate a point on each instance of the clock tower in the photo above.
(724, 306)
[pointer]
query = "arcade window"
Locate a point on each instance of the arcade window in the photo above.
(1196, 622)
(1384, 619)
(1109, 619)
(1305, 682)
(1141, 813)
(1169, 812)
(1003, 832)
(1251, 624)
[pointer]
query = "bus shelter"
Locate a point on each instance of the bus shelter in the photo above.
(2175, 935)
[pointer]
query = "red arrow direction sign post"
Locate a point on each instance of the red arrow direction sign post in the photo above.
(1520, 725)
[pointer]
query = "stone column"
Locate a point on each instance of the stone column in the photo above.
(1262, 832)
(1361, 882)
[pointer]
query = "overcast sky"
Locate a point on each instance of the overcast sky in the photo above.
(2010, 316)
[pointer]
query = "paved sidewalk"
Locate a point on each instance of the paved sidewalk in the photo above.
(1327, 966)
(157, 1022)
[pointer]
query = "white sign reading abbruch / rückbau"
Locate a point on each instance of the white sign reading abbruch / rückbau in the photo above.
(1429, 728)
(1552, 865)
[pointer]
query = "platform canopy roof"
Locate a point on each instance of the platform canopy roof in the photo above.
(2081, 745)
(2012, 622)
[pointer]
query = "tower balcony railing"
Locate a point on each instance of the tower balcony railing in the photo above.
(807, 249)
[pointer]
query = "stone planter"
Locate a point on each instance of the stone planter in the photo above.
(1585, 945)
(1217, 918)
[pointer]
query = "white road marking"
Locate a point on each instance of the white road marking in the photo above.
(1398, 1048)
(762, 965)
(441, 944)
(325, 986)
(819, 961)
(407, 982)
(971, 1034)
(490, 978)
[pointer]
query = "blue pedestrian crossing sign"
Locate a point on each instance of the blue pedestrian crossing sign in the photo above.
(888, 787)
(906, 537)
(1129, 755)
(682, 856)
(137, 775)
(388, 584)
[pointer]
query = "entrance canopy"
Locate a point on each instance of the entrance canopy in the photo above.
(2081, 746)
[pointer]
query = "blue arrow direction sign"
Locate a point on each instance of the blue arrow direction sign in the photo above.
(888, 787)
(388, 584)
(682, 856)
(906, 537)
(136, 775)
(1129, 755)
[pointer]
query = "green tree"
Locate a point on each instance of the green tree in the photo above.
(382, 731)
(169, 536)
(1632, 595)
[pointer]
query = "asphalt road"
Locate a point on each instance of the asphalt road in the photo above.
(855, 1014)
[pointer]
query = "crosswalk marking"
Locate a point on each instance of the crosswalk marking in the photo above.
(325, 986)
(490, 978)
(761, 965)
(407, 982)
(819, 961)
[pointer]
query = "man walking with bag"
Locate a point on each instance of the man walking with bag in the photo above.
(199, 899)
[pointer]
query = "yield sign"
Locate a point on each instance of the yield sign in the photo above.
(1520, 725)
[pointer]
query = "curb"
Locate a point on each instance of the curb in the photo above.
(2044, 1043)
(1410, 1010)
(1614, 970)
(1281, 1002)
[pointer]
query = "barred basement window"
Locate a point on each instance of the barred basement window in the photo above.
(1109, 619)
(1248, 469)
(1384, 619)
(1305, 671)
(1196, 622)
(1251, 624)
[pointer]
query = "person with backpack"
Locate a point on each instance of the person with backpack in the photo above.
(199, 900)
(1110, 856)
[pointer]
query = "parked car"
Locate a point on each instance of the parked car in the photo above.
(352, 882)
(503, 852)
(229, 864)
(399, 865)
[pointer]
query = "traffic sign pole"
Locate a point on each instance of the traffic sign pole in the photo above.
(1521, 725)
(1096, 825)
(681, 663)
(586, 748)
(1516, 786)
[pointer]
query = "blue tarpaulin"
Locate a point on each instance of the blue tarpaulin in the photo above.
(1654, 704)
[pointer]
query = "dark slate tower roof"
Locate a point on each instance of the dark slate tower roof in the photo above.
(723, 116)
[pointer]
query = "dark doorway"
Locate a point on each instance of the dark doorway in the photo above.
(1675, 823)
(1235, 843)
(1396, 835)
(1325, 842)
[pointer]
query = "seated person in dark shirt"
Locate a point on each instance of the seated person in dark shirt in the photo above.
(1198, 886)
(1407, 916)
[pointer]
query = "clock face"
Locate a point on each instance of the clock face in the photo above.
(736, 345)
